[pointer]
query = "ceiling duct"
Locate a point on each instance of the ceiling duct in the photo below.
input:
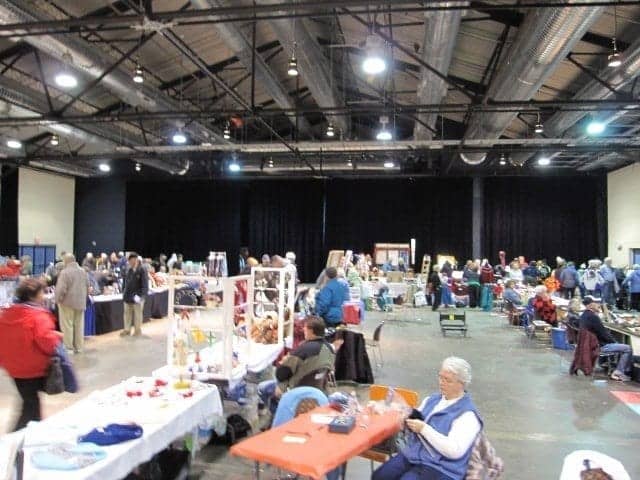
(441, 32)
(237, 40)
(312, 63)
(544, 39)
(565, 124)
(65, 168)
(85, 58)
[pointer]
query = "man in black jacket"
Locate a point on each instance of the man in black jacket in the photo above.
(134, 290)
(591, 321)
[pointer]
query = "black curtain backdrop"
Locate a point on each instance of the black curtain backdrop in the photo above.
(535, 217)
(191, 218)
(99, 215)
(287, 216)
(9, 211)
(545, 217)
(436, 212)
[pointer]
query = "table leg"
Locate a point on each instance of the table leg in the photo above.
(194, 443)
(256, 471)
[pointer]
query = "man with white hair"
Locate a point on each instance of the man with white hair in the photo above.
(445, 427)
(609, 278)
(71, 297)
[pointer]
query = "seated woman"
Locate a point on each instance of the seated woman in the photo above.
(510, 295)
(440, 447)
(544, 307)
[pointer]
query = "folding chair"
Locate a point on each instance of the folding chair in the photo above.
(453, 322)
(374, 344)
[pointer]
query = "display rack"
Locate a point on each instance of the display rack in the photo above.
(272, 297)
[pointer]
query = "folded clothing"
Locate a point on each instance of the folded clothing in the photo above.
(112, 434)
(67, 456)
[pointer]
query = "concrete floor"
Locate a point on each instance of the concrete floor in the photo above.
(534, 412)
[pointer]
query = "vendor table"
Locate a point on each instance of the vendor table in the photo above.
(307, 448)
(109, 310)
(163, 419)
(625, 335)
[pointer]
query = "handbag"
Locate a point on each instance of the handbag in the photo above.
(54, 382)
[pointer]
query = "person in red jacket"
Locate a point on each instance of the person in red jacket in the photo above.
(27, 342)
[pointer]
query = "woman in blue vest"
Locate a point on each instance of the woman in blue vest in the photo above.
(441, 444)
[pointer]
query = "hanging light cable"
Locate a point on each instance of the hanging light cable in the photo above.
(539, 128)
(614, 60)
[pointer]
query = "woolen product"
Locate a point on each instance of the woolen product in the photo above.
(112, 434)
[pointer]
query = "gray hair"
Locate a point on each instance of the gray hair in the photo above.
(459, 367)
(68, 258)
(540, 289)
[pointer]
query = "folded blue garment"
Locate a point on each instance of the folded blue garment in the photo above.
(112, 434)
(66, 456)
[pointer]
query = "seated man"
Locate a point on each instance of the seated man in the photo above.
(510, 295)
(591, 321)
(329, 300)
(313, 354)
(544, 307)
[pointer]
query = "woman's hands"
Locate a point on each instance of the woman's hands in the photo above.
(415, 425)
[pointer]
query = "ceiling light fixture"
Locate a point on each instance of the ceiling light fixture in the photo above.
(54, 140)
(292, 68)
(614, 59)
(595, 128)
(389, 164)
(179, 137)
(271, 163)
(539, 128)
(15, 144)
(384, 134)
(503, 159)
(138, 167)
(104, 167)
(66, 80)
(185, 168)
(226, 134)
(374, 62)
(330, 131)
(544, 161)
(234, 166)
(138, 74)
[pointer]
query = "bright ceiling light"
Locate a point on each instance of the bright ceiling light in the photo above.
(374, 63)
(234, 166)
(389, 164)
(384, 135)
(179, 137)
(614, 59)
(55, 140)
(15, 144)
(544, 161)
(503, 159)
(138, 74)
(227, 132)
(104, 167)
(66, 80)
(539, 128)
(138, 167)
(349, 163)
(270, 163)
(595, 128)
(330, 131)
(292, 68)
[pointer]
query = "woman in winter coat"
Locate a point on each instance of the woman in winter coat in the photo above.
(27, 342)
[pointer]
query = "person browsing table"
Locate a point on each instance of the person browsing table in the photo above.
(441, 446)
(134, 290)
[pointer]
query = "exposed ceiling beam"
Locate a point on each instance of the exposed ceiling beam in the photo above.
(242, 45)
(280, 10)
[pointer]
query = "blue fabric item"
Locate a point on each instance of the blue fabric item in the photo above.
(441, 421)
(112, 434)
(510, 295)
(68, 375)
(446, 298)
(290, 400)
(633, 281)
(67, 456)
(329, 301)
(90, 318)
(486, 298)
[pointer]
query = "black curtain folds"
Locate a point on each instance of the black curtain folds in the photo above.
(9, 211)
(545, 217)
(535, 217)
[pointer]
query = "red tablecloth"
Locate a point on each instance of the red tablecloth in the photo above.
(323, 451)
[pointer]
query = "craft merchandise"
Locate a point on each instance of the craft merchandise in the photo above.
(112, 434)
(67, 456)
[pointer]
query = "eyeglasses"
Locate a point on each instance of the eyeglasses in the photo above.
(444, 379)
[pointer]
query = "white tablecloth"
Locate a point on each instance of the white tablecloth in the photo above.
(163, 419)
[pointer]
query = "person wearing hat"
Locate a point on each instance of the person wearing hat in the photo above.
(591, 321)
